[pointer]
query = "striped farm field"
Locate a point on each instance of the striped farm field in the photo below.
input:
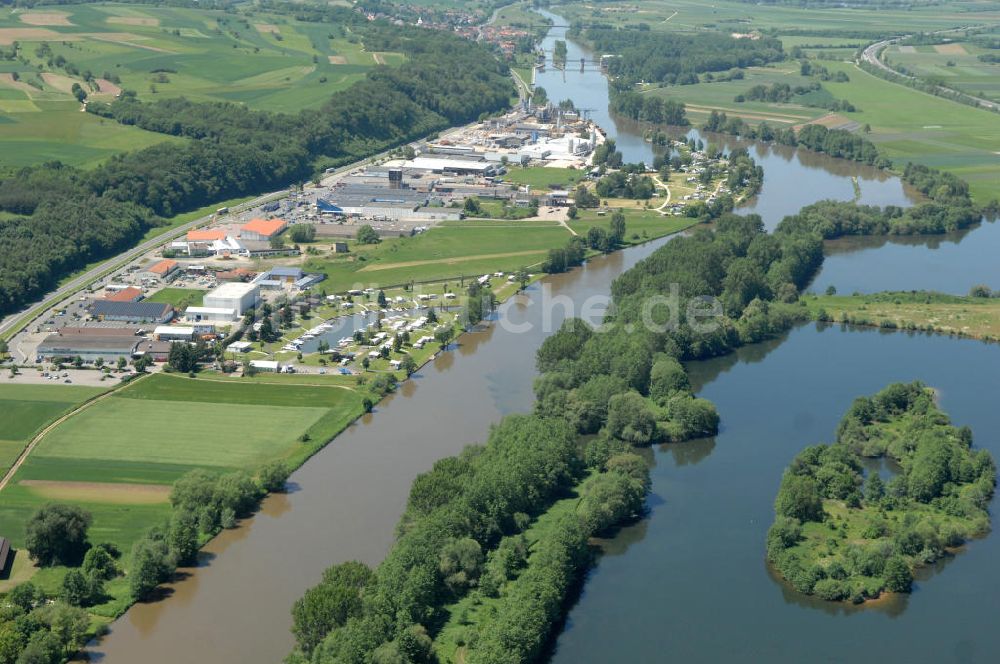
(118, 457)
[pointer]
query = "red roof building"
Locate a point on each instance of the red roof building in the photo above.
(129, 294)
(205, 235)
(262, 229)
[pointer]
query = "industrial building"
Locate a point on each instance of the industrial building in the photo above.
(441, 164)
(162, 271)
(88, 347)
(131, 312)
(262, 230)
(173, 333)
(236, 296)
(288, 275)
(205, 235)
(211, 314)
(129, 294)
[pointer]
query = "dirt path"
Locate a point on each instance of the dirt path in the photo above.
(660, 183)
(44, 432)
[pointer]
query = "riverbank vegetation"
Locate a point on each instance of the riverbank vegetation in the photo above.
(78, 216)
(842, 532)
(465, 531)
(971, 316)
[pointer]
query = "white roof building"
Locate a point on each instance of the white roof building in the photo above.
(235, 295)
(218, 314)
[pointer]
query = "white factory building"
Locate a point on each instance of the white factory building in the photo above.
(237, 296)
(209, 314)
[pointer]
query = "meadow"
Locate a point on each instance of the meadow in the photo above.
(974, 317)
(262, 60)
(543, 178)
(909, 125)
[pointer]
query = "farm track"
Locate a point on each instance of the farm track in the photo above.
(44, 432)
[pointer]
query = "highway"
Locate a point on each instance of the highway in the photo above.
(871, 56)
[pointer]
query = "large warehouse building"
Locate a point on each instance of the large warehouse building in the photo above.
(88, 347)
(236, 296)
(131, 312)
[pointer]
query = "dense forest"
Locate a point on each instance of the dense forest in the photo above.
(67, 217)
(674, 58)
(842, 532)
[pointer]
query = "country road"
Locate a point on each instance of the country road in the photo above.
(871, 56)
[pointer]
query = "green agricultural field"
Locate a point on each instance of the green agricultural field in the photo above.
(118, 457)
(179, 298)
(909, 125)
(178, 432)
(265, 61)
(955, 65)
(693, 15)
(703, 98)
(27, 409)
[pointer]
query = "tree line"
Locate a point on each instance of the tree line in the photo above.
(673, 58)
(838, 143)
(67, 217)
(843, 533)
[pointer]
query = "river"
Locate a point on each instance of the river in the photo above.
(689, 581)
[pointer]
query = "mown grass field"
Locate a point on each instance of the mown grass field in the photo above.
(118, 457)
(27, 409)
(909, 125)
(265, 61)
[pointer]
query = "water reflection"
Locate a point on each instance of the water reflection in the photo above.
(949, 263)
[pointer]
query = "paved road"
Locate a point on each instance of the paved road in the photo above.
(871, 56)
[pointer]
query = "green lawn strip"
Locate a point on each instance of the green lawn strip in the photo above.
(465, 616)
(180, 298)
